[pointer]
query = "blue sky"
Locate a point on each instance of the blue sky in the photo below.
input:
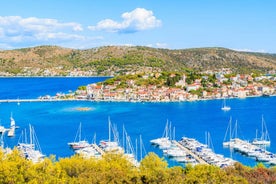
(248, 25)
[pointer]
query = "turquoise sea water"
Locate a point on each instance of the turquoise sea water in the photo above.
(56, 123)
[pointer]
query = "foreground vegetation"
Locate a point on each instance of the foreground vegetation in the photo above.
(113, 168)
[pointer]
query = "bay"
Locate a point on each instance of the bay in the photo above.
(56, 123)
(33, 87)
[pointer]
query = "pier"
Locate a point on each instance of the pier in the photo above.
(98, 149)
(251, 150)
(199, 160)
(204, 153)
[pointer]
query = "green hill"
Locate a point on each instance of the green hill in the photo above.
(116, 60)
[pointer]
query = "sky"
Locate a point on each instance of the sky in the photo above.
(245, 25)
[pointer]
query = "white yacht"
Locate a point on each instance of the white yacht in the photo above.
(225, 107)
(31, 150)
(78, 142)
(264, 139)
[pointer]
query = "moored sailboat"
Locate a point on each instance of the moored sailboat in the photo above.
(111, 145)
(78, 142)
(31, 150)
(227, 143)
(264, 140)
(12, 127)
(164, 141)
(224, 106)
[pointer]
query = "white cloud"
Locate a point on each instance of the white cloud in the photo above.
(250, 50)
(137, 20)
(161, 45)
(17, 29)
(158, 45)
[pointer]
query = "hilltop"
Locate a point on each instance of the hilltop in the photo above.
(117, 60)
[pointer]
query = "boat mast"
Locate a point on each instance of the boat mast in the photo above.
(230, 126)
(94, 138)
(2, 141)
(31, 137)
(266, 135)
(141, 148)
(124, 134)
(25, 136)
(109, 129)
(170, 131)
(136, 149)
(80, 132)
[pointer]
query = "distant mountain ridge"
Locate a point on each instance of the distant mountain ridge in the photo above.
(116, 60)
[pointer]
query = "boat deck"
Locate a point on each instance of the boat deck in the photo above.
(11, 132)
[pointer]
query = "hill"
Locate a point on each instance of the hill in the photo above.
(116, 60)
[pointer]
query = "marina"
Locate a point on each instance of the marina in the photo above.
(258, 153)
(205, 153)
(87, 150)
(190, 151)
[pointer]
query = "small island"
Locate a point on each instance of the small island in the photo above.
(83, 108)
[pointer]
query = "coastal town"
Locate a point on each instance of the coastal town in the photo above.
(208, 85)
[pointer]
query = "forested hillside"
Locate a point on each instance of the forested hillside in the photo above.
(116, 60)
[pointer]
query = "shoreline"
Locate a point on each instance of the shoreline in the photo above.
(90, 100)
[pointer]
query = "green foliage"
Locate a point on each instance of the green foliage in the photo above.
(212, 78)
(13, 71)
(209, 174)
(229, 75)
(172, 80)
(192, 76)
(109, 81)
(153, 169)
(228, 82)
(204, 83)
(197, 92)
(82, 88)
(115, 168)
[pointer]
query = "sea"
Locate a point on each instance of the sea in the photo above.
(56, 122)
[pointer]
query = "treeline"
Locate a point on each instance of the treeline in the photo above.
(114, 168)
(162, 79)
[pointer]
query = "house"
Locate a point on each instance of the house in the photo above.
(192, 87)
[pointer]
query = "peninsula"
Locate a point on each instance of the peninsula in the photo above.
(172, 86)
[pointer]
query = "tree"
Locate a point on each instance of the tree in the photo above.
(208, 174)
(153, 169)
(82, 88)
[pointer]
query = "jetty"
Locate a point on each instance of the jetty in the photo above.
(205, 154)
(98, 149)
(254, 151)
(187, 151)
